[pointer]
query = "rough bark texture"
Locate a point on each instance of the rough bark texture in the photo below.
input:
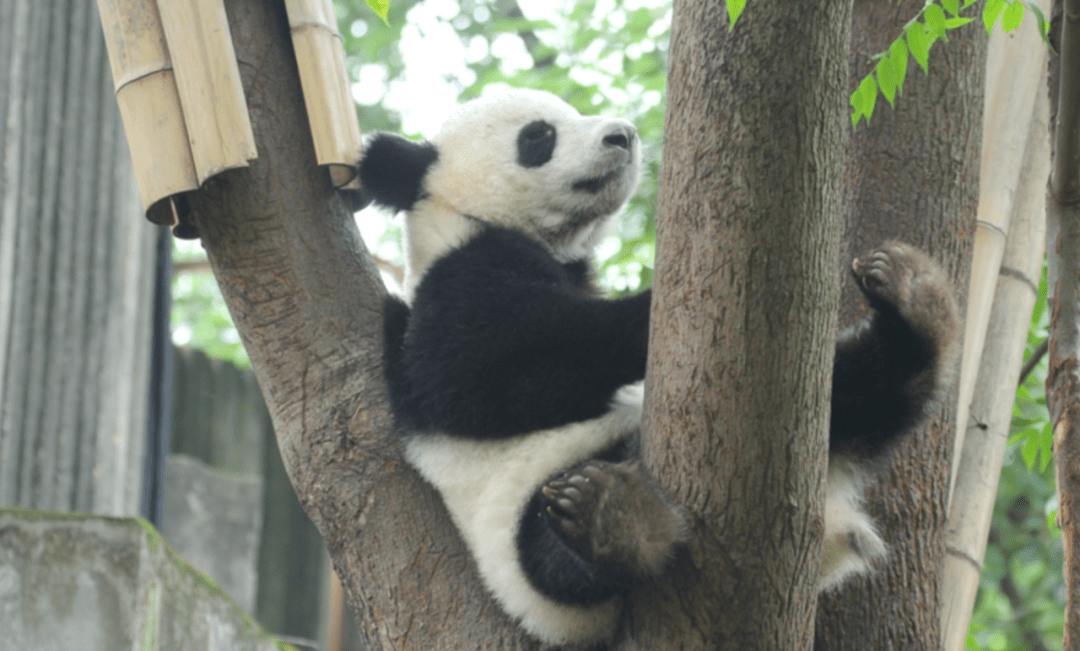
(76, 271)
(743, 320)
(307, 301)
(911, 175)
(1063, 249)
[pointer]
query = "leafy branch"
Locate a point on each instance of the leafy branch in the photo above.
(933, 23)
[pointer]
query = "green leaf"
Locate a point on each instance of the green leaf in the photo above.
(1044, 26)
(951, 6)
(968, 3)
(380, 7)
(919, 45)
(863, 100)
(935, 21)
(898, 56)
(971, 644)
(1046, 446)
(1028, 451)
(991, 10)
(734, 10)
(1012, 17)
(886, 80)
(953, 23)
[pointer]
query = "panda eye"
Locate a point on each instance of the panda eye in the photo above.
(535, 143)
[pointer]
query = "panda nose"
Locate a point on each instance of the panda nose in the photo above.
(620, 137)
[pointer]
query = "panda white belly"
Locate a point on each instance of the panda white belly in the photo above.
(486, 486)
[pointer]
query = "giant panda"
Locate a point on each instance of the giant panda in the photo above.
(517, 384)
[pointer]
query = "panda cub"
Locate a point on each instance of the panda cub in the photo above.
(518, 385)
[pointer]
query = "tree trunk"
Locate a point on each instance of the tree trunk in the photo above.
(744, 320)
(1063, 298)
(76, 271)
(913, 174)
(307, 301)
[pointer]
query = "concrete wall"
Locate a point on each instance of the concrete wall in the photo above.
(91, 583)
(76, 270)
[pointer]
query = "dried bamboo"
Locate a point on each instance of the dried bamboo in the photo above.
(1015, 64)
(976, 481)
(331, 111)
(208, 80)
(149, 102)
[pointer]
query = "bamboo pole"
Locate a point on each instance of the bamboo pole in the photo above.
(145, 88)
(320, 58)
(979, 469)
(1015, 64)
(208, 81)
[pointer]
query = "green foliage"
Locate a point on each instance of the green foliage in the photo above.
(380, 7)
(734, 10)
(1021, 593)
(199, 317)
(933, 23)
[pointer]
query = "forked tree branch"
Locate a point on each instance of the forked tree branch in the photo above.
(306, 298)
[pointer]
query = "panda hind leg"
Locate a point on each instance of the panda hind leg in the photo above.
(603, 527)
(906, 279)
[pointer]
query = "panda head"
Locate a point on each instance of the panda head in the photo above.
(524, 160)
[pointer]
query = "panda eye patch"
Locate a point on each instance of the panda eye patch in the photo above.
(535, 143)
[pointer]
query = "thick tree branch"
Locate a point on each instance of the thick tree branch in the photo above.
(1065, 181)
(743, 319)
(306, 298)
(1063, 246)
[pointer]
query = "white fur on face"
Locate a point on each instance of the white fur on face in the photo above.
(477, 177)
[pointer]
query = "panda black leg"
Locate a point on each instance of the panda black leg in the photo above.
(596, 530)
(891, 368)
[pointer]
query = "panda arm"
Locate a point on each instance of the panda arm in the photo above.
(891, 368)
(503, 340)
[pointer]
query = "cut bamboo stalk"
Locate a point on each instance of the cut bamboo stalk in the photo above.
(208, 80)
(149, 103)
(320, 58)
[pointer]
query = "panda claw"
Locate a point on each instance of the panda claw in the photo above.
(610, 514)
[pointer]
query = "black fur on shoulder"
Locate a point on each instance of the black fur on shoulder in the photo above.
(392, 170)
(503, 339)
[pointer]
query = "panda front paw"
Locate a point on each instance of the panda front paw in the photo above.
(614, 516)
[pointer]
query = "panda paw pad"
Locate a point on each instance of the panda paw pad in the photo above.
(572, 503)
(886, 273)
(611, 514)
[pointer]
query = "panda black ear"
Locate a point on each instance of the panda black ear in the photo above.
(392, 170)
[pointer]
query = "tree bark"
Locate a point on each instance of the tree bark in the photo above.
(912, 174)
(1063, 297)
(744, 320)
(76, 271)
(307, 301)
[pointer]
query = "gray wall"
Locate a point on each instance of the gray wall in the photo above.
(229, 507)
(76, 270)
